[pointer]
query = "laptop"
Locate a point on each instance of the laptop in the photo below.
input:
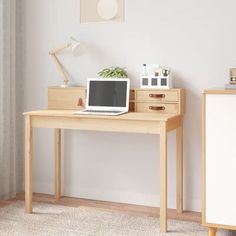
(107, 97)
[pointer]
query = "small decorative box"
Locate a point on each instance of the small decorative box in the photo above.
(159, 78)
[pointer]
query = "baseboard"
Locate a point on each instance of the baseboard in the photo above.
(118, 196)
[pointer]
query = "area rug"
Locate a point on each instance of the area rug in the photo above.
(50, 220)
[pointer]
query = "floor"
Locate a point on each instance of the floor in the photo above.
(110, 206)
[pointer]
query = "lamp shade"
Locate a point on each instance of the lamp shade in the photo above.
(107, 9)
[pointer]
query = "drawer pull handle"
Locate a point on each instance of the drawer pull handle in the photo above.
(157, 108)
(80, 102)
(151, 95)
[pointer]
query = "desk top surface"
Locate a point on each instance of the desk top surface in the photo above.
(126, 116)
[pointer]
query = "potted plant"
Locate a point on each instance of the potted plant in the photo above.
(113, 72)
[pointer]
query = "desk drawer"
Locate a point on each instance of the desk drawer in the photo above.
(157, 95)
(171, 108)
(66, 98)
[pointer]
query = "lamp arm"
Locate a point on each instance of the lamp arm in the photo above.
(60, 67)
(60, 49)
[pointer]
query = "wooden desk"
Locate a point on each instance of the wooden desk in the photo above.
(146, 123)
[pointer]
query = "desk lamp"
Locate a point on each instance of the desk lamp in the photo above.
(73, 46)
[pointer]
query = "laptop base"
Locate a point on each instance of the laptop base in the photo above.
(98, 112)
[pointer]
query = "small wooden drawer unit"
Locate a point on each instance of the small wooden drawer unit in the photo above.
(169, 101)
(141, 100)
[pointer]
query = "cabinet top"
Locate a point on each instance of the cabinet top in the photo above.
(219, 91)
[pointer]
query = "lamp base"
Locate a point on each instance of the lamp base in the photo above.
(65, 84)
(68, 85)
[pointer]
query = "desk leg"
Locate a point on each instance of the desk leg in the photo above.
(163, 177)
(179, 170)
(212, 231)
(28, 164)
(57, 163)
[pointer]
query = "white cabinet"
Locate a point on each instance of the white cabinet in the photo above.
(219, 159)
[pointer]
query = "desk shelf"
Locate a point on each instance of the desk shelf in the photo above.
(168, 101)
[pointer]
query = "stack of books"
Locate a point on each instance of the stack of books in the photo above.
(230, 86)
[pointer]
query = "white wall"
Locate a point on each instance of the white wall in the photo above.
(195, 38)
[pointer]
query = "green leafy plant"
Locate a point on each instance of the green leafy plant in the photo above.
(113, 72)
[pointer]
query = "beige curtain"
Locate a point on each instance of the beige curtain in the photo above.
(11, 86)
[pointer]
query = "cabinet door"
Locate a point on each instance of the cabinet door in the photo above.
(66, 98)
(220, 159)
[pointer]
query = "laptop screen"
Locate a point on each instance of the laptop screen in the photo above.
(108, 93)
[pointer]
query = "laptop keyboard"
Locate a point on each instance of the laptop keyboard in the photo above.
(102, 111)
